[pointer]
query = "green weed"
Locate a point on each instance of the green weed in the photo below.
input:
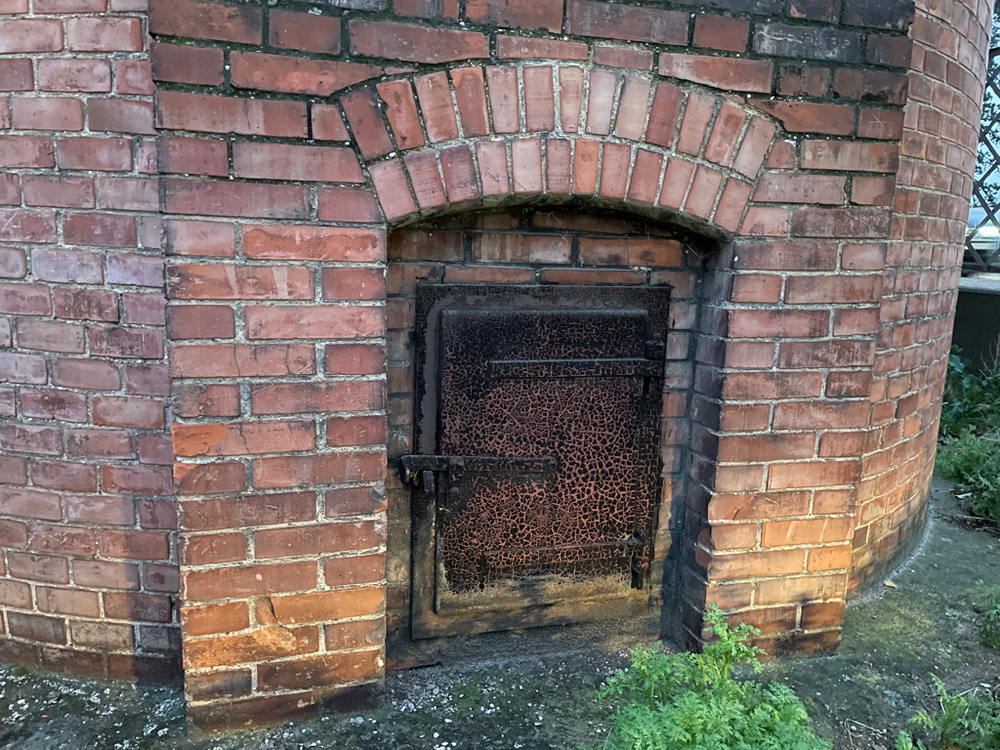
(690, 702)
(965, 721)
(969, 453)
(989, 627)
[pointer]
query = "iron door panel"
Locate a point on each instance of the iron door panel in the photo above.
(579, 386)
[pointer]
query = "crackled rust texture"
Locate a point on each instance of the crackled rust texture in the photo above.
(603, 432)
(547, 418)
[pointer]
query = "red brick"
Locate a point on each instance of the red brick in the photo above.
(366, 121)
(214, 114)
(63, 406)
(348, 204)
(721, 146)
(206, 20)
(295, 75)
(304, 31)
(31, 35)
(130, 544)
(38, 567)
(797, 80)
(663, 114)
(98, 443)
(813, 117)
(603, 86)
(77, 74)
(16, 74)
(401, 109)
(704, 190)
(838, 222)
(297, 163)
(37, 627)
(503, 93)
(178, 155)
(393, 189)
(327, 605)
(525, 14)
(848, 156)
(241, 360)
(329, 669)
(112, 411)
(120, 116)
(218, 439)
(425, 178)
(59, 191)
(327, 124)
(426, 8)
(397, 41)
(137, 270)
(201, 322)
(539, 99)
(525, 48)
(720, 72)
(50, 113)
(201, 198)
(355, 359)
(137, 480)
(206, 401)
(470, 95)
(353, 284)
(204, 549)
(623, 57)
(630, 252)
(186, 64)
(326, 468)
(312, 322)
(570, 98)
(26, 299)
(313, 243)
(813, 474)
(215, 618)
(134, 77)
(101, 154)
(608, 20)
(778, 187)
(316, 539)
(100, 230)
(50, 335)
(526, 165)
(721, 33)
(243, 582)
(104, 34)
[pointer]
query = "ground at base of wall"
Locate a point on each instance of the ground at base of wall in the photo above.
(894, 638)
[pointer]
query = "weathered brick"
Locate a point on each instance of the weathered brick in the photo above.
(398, 41)
(295, 75)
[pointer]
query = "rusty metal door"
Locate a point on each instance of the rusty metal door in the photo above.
(538, 472)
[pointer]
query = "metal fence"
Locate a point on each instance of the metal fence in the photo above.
(982, 236)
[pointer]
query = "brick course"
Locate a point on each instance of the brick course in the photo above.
(215, 435)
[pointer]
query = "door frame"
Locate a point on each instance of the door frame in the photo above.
(431, 298)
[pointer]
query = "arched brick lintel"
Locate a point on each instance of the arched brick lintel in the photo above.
(507, 135)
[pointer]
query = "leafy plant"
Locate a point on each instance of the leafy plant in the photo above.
(989, 627)
(689, 701)
(970, 430)
(965, 721)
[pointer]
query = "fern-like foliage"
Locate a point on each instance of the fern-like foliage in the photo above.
(690, 702)
(965, 721)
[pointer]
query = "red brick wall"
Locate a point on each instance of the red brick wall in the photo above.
(826, 179)
(89, 565)
(923, 258)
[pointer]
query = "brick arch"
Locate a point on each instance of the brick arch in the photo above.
(474, 137)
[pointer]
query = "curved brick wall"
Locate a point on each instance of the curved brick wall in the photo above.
(922, 268)
(796, 175)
